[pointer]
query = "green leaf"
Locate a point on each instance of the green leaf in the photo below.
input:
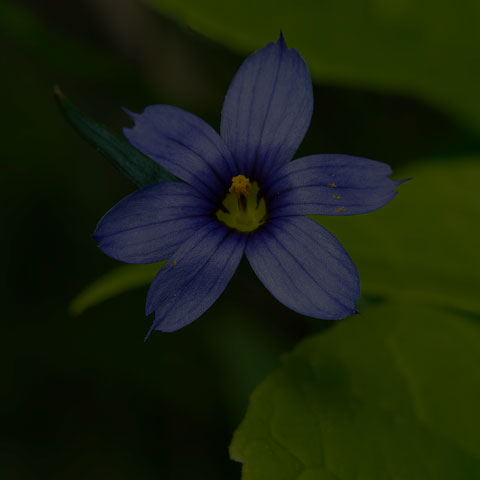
(114, 283)
(393, 393)
(422, 246)
(136, 166)
(428, 49)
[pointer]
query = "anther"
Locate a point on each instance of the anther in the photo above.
(240, 186)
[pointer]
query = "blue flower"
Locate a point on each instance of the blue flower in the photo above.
(242, 194)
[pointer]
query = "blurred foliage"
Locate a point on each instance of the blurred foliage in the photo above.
(406, 46)
(388, 394)
(420, 248)
(114, 283)
(84, 397)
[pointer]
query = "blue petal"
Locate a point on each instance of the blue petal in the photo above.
(305, 267)
(329, 185)
(194, 277)
(267, 109)
(150, 224)
(184, 145)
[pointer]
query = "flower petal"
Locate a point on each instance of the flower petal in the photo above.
(329, 185)
(184, 145)
(150, 224)
(305, 267)
(194, 277)
(267, 109)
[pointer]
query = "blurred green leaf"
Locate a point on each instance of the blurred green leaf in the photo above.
(422, 246)
(428, 49)
(393, 393)
(136, 166)
(118, 281)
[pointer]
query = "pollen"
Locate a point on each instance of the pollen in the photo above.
(340, 209)
(337, 197)
(174, 263)
(240, 186)
(332, 185)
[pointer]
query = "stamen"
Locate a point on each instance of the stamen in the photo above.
(240, 186)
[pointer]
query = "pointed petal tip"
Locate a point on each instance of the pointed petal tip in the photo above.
(154, 326)
(281, 42)
(131, 114)
(399, 182)
(148, 334)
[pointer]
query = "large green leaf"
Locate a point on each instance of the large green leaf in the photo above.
(422, 246)
(136, 166)
(114, 283)
(425, 48)
(390, 394)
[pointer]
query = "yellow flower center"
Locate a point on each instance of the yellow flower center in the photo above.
(242, 209)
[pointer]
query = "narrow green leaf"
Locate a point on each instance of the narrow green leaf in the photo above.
(422, 246)
(136, 166)
(392, 393)
(114, 283)
(389, 45)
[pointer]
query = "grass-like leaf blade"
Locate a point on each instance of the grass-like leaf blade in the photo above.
(136, 166)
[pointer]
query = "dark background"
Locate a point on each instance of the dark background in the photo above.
(84, 396)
